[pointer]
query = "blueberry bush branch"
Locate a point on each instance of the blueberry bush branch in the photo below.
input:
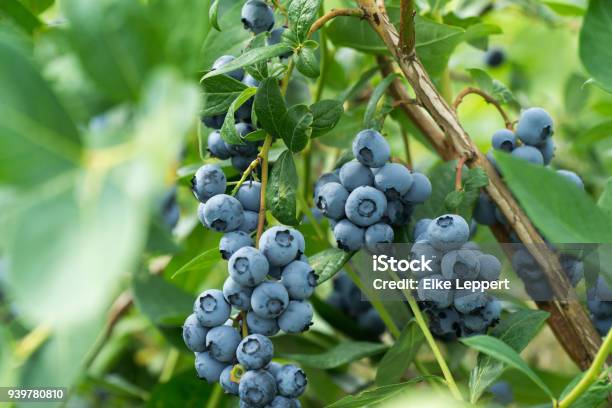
(353, 12)
(488, 98)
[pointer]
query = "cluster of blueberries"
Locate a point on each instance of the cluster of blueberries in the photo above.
(269, 288)
(257, 17)
(599, 302)
(346, 297)
(454, 312)
(367, 197)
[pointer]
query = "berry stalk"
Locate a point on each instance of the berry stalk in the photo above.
(264, 184)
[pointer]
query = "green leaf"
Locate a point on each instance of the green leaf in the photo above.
(256, 135)
(251, 57)
(184, 390)
(228, 130)
(259, 70)
(19, 14)
(516, 330)
(545, 196)
(270, 107)
(302, 13)
(329, 262)
(306, 62)
(506, 354)
(575, 94)
(595, 37)
(340, 321)
(325, 116)
(163, 303)
(453, 200)
(219, 93)
(37, 6)
(39, 139)
(116, 42)
(341, 354)
(475, 179)
(594, 396)
(296, 127)
(353, 90)
(282, 188)
(378, 395)
(605, 199)
(379, 91)
(399, 357)
(213, 15)
(493, 87)
(205, 260)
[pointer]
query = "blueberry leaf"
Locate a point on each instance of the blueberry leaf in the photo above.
(377, 94)
(595, 37)
(219, 93)
(282, 188)
(399, 357)
(251, 57)
(20, 15)
(302, 13)
(258, 70)
(306, 62)
(205, 260)
(213, 14)
(296, 127)
(328, 263)
(377, 396)
(325, 116)
(228, 130)
(338, 355)
(270, 107)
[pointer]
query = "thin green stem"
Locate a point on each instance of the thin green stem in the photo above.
(407, 148)
(325, 59)
(265, 149)
(247, 173)
(285, 82)
(311, 218)
(420, 320)
(592, 373)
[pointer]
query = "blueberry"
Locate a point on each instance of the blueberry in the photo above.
(214, 121)
(460, 264)
(244, 111)
(484, 211)
(572, 177)
(365, 206)
(380, 233)
(424, 250)
(208, 181)
(398, 213)
(534, 126)
(526, 266)
(371, 322)
(194, 334)
(394, 180)
(444, 323)
(324, 179)
(354, 174)
(504, 140)
(275, 38)
(211, 308)
(420, 228)
(223, 213)
(257, 16)
(297, 318)
(279, 245)
(331, 200)
(255, 351)
(420, 191)
(474, 323)
(502, 393)
(222, 61)
(467, 301)
(491, 158)
(427, 292)
(221, 342)
(249, 224)
(233, 241)
(241, 163)
(530, 154)
(448, 232)
(490, 267)
(237, 295)
(269, 300)
(259, 325)
(208, 368)
(371, 148)
(291, 381)
(350, 295)
(229, 386)
(349, 237)
(548, 150)
(247, 148)
(248, 267)
(169, 209)
(275, 272)
(494, 57)
(299, 279)
(248, 194)
(602, 290)
(257, 388)
(281, 402)
(491, 312)
(217, 147)
(573, 268)
(603, 325)
(250, 81)
(301, 243)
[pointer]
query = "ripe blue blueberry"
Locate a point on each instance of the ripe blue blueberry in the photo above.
(237, 295)
(365, 206)
(484, 211)
(448, 232)
(229, 386)
(380, 233)
(221, 342)
(494, 57)
(223, 213)
(331, 200)
(248, 266)
(420, 191)
(573, 268)
(333, 177)
(248, 194)
(211, 308)
(296, 318)
(354, 174)
(474, 323)
(259, 325)
(280, 245)
(241, 163)
(428, 292)
(394, 180)
(257, 388)
(301, 244)
(217, 147)
(249, 224)
(491, 312)
(291, 381)
(371, 322)
(398, 213)
(275, 38)
(233, 241)
(424, 250)
(222, 61)
(420, 228)
(460, 264)
(269, 300)
(526, 266)
(534, 126)
(502, 393)
(504, 140)
(350, 295)
(257, 16)
(194, 334)
(445, 323)
(250, 81)
(371, 148)
(209, 180)
(214, 121)
(572, 177)
(349, 237)
(282, 402)
(530, 154)
(208, 368)
(490, 267)
(255, 351)
(467, 301)
(548, 150)
(299, 279)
